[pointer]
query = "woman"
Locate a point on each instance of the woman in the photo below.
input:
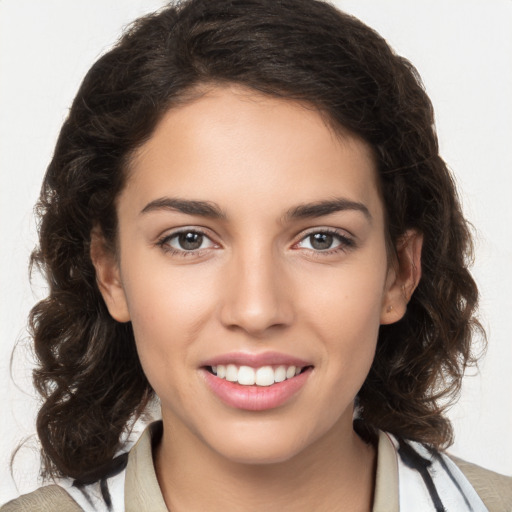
(247, 216)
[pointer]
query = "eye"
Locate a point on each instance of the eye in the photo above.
(325, 241)
(186, 241)
(320, 241)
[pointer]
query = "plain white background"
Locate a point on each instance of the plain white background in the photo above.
(462, 49)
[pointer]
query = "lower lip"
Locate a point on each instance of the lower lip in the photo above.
(255, 398)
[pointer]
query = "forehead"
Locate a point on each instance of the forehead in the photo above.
(233, 141)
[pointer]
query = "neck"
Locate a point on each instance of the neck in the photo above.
(335, 473)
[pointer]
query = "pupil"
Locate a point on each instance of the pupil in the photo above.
(190, 241)
(321, 241)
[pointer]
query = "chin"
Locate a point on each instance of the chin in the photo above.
(261, 445)
(272, 453)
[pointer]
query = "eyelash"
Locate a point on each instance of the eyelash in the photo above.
(163, 243)
(346, 243)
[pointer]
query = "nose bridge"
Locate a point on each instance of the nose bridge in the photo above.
(256, 297)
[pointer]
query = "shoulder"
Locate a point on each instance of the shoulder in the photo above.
(102, 495)
(45, 499)
(495, 490)
(427, 477)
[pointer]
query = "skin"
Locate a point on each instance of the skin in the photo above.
(257, 284)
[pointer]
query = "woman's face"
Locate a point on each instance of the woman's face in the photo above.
(252, 245)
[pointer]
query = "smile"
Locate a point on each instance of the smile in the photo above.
(256, 388)
(262, 376)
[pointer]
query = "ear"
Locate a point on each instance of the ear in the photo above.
(403, 277)
(108, 277)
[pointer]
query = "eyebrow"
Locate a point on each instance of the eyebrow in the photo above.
(188, 206)
(321, 208)
(213, 211)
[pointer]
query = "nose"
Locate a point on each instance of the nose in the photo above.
(256, 296)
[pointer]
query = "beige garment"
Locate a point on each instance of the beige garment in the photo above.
(50, 498)
(495, 490)
(142, 492)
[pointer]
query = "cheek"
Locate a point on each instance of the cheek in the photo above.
(344, 314)
(166, 300)
(168, 307)
(348, 299)
(167, 311)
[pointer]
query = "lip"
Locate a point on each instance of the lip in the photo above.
(256, 360)
(255, 398)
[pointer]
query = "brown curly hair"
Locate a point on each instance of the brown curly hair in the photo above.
(89, 374)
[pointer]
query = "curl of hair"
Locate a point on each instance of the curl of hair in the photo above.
(89, 374)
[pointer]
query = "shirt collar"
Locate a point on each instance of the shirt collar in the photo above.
(386, 480)
(142, 491)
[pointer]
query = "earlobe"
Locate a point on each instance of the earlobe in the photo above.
(403, 277)
(108, 277)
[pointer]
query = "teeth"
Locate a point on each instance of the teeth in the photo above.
(263, 376)
(231, 373)
(246, 376)
(280, 374)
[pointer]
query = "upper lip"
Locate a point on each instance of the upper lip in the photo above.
(256, 360)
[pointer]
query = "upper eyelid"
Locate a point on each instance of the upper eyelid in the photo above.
(333, 231)
(166, 237)
(169, 233)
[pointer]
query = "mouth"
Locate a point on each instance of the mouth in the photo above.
(263, 376)
(256, 383)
